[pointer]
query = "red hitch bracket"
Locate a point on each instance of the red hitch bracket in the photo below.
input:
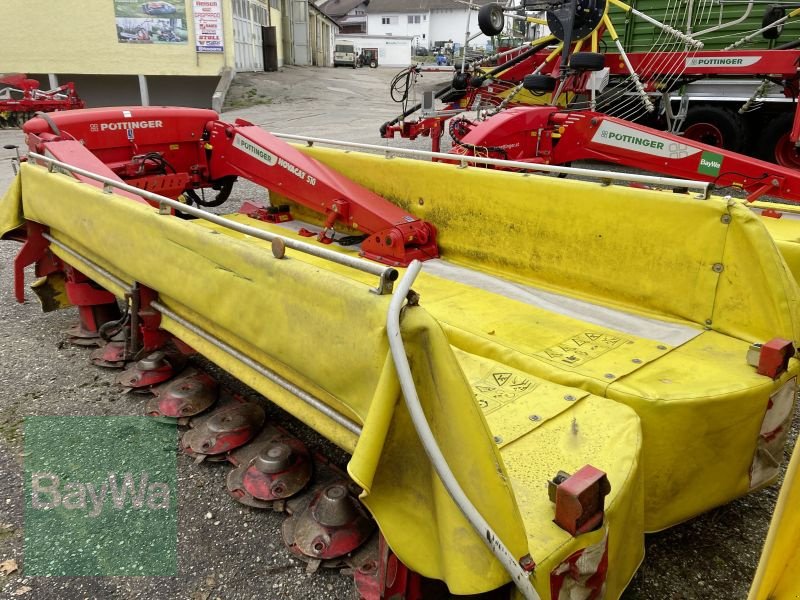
(579, 499)
(771, 359)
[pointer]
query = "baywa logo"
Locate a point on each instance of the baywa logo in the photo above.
(100, 496)
(710, 163)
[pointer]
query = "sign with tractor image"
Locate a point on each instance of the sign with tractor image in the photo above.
(141, 22)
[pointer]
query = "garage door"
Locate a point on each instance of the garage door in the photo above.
(248, 18)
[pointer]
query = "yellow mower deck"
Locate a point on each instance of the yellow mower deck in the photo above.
(706, 267)
(569, 302)
(317, 324)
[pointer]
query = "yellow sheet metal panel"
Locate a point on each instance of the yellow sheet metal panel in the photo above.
(786, 233)
(696, 408)
(570, 428)
(326, 333)
(777, 575)
(11, 208)
(87, 269)
(700, 395)
(754, 281)
(649, 251)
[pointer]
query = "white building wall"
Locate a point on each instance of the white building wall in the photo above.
(451, 23)
(398, 24)
(392, 51)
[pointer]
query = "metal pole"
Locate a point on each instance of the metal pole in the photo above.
(143, 91)
(356, 263)
(312, 401)
(702, 186)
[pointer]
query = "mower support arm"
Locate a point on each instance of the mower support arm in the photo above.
(244, 150)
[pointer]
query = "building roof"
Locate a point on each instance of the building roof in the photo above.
(410, 6)
(339, 8)
(331, 20)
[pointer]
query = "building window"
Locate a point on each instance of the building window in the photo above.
(413, 19)
(385, 20)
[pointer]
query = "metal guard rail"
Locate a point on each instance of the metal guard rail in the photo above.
(604, 176)
(387, 275)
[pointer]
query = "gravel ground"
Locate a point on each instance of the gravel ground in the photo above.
(236, 553)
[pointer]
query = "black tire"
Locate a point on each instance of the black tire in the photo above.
(715, 126)
(373, 64)
(539, 83)
(460, 81)
(491, 19)
(772, 14)
(587, 61)
(774, 144)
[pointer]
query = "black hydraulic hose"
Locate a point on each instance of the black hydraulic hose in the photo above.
(224, 185)
(111, 328)
(476, 150)
(517, 59)
(788, 45)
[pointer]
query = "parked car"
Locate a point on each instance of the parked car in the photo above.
(158, 8)
(345, 54)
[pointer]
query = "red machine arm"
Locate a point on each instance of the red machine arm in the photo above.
(245, 150)
(550, 135)
(174, 151)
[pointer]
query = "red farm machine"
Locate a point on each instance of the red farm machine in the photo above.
(550, 325)
(674, 107)
(21, 98)
(447, 486)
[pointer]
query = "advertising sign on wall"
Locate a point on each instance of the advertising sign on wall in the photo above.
(140, 22)
(208, 25)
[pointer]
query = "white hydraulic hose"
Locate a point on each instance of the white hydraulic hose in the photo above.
(648, 104)
(760, 91)
(772, 25)
(519, 576)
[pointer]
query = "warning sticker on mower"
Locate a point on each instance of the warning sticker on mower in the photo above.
(581, 348)
(621, 136)
(498, 388)
(248, 147)
(722, 61)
